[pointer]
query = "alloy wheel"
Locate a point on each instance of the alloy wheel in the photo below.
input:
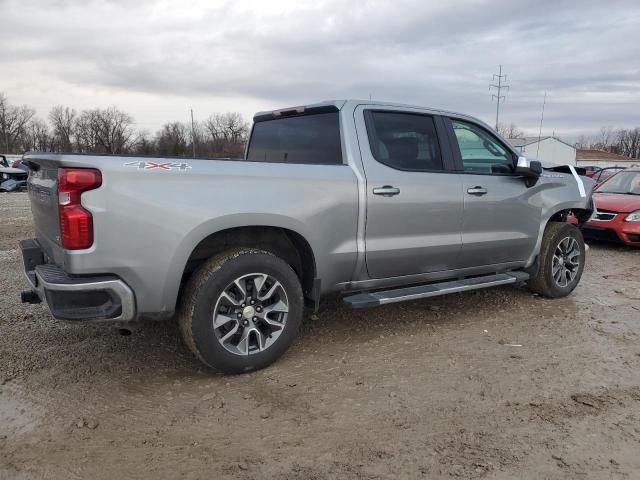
(566, 261)
(250, 314)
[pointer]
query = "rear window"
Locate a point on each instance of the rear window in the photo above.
(305, 139)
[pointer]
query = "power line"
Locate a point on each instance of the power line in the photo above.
(193, 135)
(499, 87)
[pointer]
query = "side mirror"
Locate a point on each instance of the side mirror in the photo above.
(528, 168)
(536, 168)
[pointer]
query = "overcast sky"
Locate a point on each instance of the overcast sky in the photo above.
(156, 59)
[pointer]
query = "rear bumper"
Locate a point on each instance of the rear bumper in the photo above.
(99, 298)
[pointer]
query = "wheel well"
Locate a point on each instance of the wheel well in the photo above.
(581, 214)
(286, 244)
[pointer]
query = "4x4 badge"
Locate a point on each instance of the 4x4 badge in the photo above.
(182, 166)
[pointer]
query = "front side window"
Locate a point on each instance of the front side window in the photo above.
(405, 141)
(307, 139)
(480, 151)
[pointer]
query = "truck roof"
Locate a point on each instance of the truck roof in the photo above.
(340, 104)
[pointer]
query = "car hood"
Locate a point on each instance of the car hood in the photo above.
(616, 202)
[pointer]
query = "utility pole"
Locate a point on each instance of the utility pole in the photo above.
(193, 135)
(544, 102)
(500, 78)
(6, 138)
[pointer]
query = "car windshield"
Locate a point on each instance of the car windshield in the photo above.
(623, 182)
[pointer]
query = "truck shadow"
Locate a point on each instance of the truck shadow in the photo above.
(335, 326)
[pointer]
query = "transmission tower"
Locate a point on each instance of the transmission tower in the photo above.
(499, 87)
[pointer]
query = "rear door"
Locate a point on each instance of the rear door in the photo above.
(414, 200)
(500, 223)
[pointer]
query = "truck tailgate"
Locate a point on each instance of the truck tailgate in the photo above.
(43, 192)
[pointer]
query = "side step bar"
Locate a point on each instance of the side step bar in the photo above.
(382, 297)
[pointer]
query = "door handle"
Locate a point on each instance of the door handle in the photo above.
(477, 190)
(386, 191)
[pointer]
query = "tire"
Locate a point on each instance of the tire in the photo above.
(560, 262)
(217, 299)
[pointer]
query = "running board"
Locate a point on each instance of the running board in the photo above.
(382, 297)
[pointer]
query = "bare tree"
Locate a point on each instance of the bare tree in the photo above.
(13, 124)
(173, 139)
(105, 131)
(583, 141)
(63, 121)
(144, 145)
(622, 141)
(634, 143)
(510, 131)
(226, 134)
(85, 138)
(36, 136)
(604, 138)
(113, 131)
(627, 142)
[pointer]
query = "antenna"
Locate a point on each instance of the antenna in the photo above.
(544, 102)
(193, 135)
(499, 87)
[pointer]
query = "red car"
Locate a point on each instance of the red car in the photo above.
(591, 170)
(617, 215)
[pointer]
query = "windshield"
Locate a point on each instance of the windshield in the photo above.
(623, 182)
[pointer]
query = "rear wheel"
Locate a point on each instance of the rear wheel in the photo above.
(241, 310)
(561, 261)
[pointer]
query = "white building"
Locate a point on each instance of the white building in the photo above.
(548, 149)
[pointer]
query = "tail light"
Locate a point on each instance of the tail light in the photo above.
(76, 223)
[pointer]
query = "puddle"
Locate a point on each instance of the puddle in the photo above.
(17, 416)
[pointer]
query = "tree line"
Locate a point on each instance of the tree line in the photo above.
(622, 141)
(110, 130)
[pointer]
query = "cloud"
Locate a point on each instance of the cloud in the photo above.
(246, 56)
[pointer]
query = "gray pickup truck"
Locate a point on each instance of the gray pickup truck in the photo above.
(379, 201)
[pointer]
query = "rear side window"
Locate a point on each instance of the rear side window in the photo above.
(405, 141)
(304, 139)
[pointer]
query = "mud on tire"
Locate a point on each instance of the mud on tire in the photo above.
(241, 310)
(560, 262)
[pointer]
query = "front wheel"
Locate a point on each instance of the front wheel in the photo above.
(561, 261)
(241, 310)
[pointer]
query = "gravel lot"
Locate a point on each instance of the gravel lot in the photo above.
(495, 384)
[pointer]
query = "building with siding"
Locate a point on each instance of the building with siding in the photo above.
(548, 149)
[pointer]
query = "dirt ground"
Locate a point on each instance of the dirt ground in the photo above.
(494, 384)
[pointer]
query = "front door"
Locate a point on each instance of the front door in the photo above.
(500, 223)
(414, 202)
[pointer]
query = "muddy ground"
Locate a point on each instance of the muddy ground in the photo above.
(495, 384)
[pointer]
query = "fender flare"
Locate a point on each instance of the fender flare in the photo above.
(210, 227)
(571, 205)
